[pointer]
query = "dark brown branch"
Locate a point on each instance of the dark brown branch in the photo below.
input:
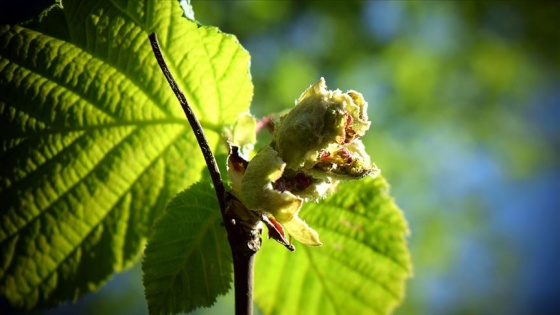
(244, 239)
(243, 270)
(195, 124)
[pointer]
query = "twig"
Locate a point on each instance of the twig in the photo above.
(244, 241)
(195, 124)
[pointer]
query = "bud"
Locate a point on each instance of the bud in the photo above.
(314, 146)
(258, 193)
(321, 134)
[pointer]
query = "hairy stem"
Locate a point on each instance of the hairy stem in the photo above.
(243, 240)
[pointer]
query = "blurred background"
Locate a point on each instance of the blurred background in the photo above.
(464, 99)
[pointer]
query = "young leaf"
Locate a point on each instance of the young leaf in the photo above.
(93, 140)
(187, 262)
(361, 267)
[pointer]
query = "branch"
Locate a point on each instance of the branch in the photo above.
(244, 239)
(195, 124)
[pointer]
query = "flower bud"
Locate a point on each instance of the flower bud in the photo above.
(314, 146)
(258, 193)
(321, 134)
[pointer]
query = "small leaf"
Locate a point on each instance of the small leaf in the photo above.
(361, 267)
(187, 262)
(244, 133)
(94, 142)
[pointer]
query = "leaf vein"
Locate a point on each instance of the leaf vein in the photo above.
(86, 235)
(321, 279)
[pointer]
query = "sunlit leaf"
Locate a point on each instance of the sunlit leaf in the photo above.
(361, 267)
(187, 261)
(93, 141)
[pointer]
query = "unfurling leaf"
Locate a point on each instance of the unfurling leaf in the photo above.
(322, 123)
(244, 133)
(314, 146)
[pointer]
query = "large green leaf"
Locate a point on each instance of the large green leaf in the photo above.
(360, 269)
(93, 141)
(187, 261)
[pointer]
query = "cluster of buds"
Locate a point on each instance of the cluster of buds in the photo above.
(314, 146)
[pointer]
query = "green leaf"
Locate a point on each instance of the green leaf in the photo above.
(244, 131)
(361, 267)
(187, 261)
(93, 141)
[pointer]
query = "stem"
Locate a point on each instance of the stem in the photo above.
(244, 241)
(195, 124)
(243, 267)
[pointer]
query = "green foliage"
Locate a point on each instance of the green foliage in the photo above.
(94, 143)
(187, 262)
(361, 267)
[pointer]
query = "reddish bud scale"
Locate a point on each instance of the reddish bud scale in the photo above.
(350, 134)
(281, 185)
(296, 183)
(345, 155)
(302, 181)
(324, 155)
(237, 162)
